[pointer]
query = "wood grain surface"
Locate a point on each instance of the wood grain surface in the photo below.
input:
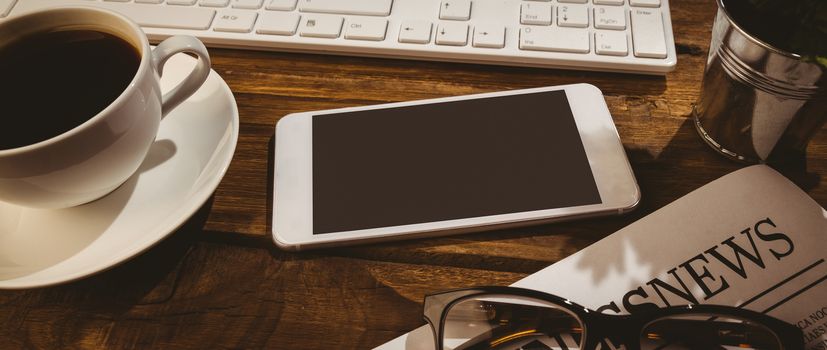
(220, 282)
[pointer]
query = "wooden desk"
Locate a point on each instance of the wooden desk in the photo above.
(220, 282)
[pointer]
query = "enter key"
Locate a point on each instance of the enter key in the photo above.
(648, 38)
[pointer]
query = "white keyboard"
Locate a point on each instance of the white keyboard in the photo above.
(606, 35)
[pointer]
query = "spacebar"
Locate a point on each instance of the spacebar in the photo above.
(350, 7)
(165, 17)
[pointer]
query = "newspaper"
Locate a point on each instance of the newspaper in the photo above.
(750, 239)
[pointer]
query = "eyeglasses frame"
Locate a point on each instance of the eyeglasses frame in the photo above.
(625, 328)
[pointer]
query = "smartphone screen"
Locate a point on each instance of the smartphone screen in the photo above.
(445, 161)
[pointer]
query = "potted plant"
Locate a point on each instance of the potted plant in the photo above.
(796, 26)
(764, 92)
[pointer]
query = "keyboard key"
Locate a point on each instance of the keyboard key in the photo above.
(347, 7)
(321, 27)
(278, 23)
(174, 17)
(214, 3)
(489, 35)
(181, 2)
(645, 3)
(535, 13)
(366, 28)
(235, 21)
(495, 31)
(453, 34)
(458, 10)
(609, 18)
(5, 7)
(247, 4)
(572, 16)
(611, 43)
(554, 39)
(415, 32)
(647, 33)
(281, 5)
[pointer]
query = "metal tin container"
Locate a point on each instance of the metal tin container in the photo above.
(757, 102)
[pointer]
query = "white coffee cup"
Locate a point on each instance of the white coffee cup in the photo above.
(94, 158)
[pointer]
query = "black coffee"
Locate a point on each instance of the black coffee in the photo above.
(51, 82)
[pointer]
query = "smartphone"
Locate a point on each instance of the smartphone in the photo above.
(447, 165)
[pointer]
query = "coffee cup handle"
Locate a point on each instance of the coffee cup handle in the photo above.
(170, 47)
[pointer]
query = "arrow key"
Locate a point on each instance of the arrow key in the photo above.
(489, 35)
(458, 10)
(415, 32)
(452, 34)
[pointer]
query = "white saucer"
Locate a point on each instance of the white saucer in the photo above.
(190, 155)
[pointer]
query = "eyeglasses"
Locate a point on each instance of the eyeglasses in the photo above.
(515, 318)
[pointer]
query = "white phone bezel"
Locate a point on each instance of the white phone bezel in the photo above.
(293, 185)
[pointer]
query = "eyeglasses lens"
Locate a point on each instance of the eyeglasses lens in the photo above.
(510, 322)
(696, 332)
